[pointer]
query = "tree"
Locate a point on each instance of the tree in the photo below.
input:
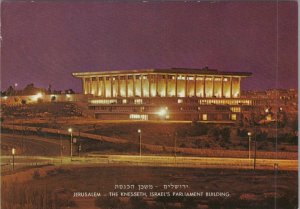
(49, 89)
(30, 89)
(53, 98)
(3, 93)
(10, 91)
(225, 133)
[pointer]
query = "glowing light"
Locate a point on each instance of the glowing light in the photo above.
(68, 95)
(163, 111)
(5, 97)
(122, 92)
(267, 110)
(249, 133)
(39, 95)
(13, 151)
(181, 94)
(233, 117)
(70, 130)
(139, 131)
(16, 84)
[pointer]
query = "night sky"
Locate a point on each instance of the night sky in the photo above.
(43, 43)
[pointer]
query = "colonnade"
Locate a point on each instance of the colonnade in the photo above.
(163, 85)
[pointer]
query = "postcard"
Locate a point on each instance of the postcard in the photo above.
(149, 104)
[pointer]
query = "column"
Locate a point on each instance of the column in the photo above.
(142, 90)
(213, 86)
(97, 86)
(176, 85)
(204, 87)
(126, 85)
(166, 80)
(111, 87)
(104, 86)
(185, 86)
(133, 77)
(83, 85)
(149, 80)
(230, 87)
(156, 85)
(90, 85)
(222, 88)
(119, 89)
(87, 85)
(195, 85)
(239, 87)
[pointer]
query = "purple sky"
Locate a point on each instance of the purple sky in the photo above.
(43, 43)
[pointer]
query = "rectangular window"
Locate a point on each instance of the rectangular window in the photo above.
(233, 116)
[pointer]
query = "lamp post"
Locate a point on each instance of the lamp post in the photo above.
(13, 152)
(254, 163)
(140, 141)
(79, 149)
(71, 141)
(249, 136)
(61, 147)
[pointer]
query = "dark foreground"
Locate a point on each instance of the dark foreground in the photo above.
(148, 187)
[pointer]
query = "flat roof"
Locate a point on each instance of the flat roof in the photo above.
(203, 71)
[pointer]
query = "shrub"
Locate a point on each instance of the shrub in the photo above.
(36, 175)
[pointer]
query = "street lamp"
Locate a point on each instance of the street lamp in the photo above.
(71, 141)
(140, 141)
(163, 113)
(13, 152)
(39, 95)
(249, 135)
(61, 146)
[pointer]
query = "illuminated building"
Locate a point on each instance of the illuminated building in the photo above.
(169, 94)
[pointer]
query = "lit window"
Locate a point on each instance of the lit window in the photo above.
(204, 117)
(138, 101)
(138, 117)
(233, 116)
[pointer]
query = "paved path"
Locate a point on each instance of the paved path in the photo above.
(155, 161)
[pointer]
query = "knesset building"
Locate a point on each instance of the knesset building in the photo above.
(165, 94)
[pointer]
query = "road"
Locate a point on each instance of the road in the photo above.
(32, 145)
(154, 161)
